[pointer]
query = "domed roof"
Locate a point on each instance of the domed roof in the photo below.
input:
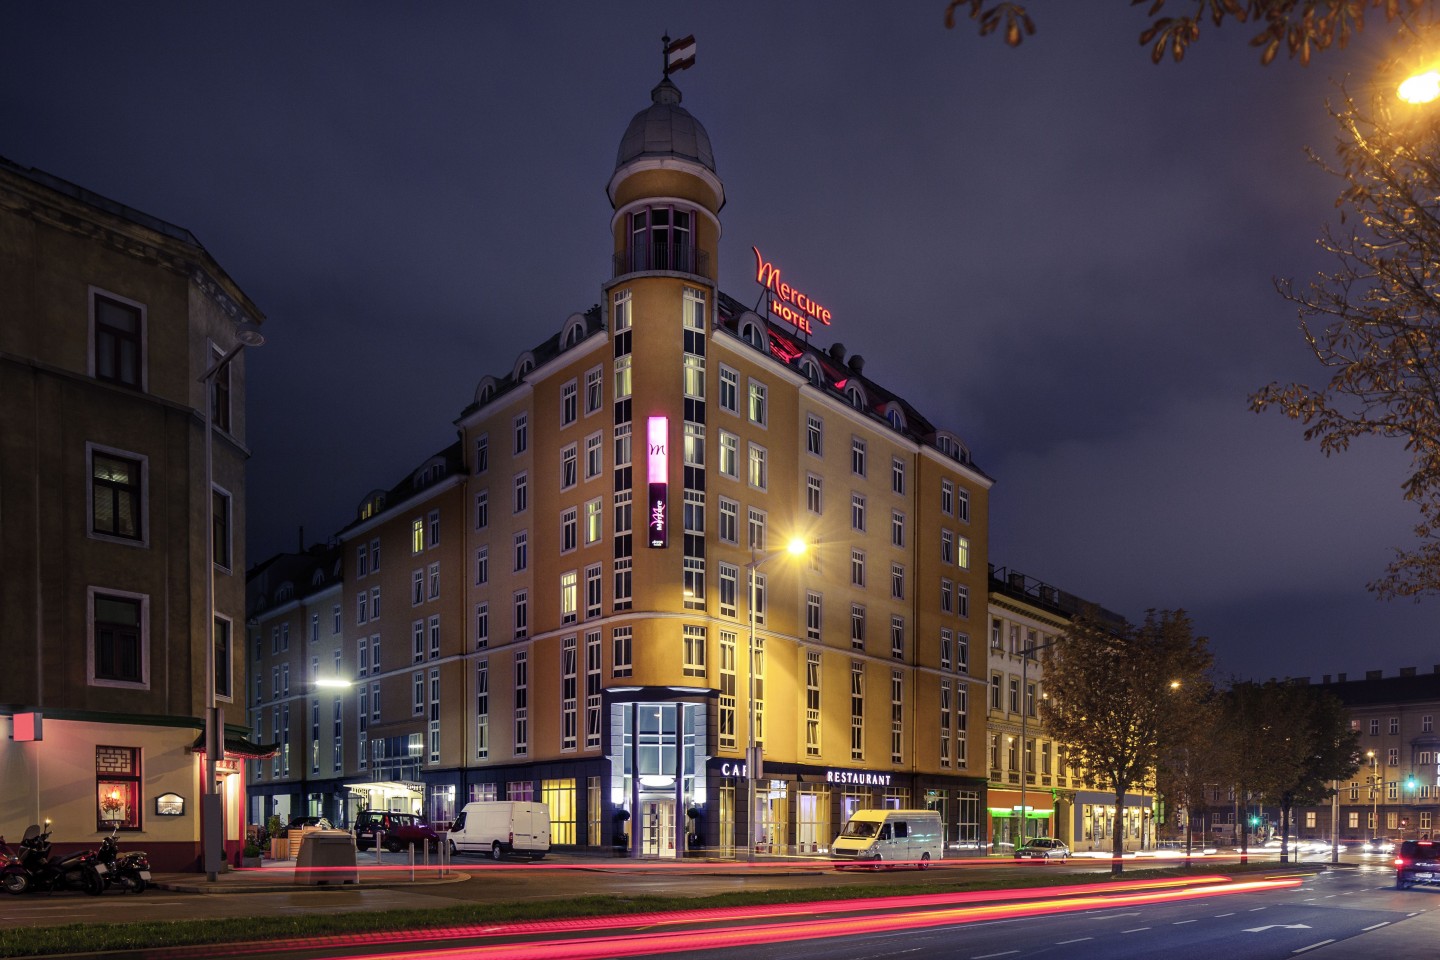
(665, 129)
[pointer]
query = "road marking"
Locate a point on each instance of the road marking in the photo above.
(1135, 930)
(1256, 909)
(1314, 945)
(1219, 915)
(985, 956)
(1178, 922)
(1115, 916)
(1282, 926)
(1375, 926)
(1061, 943)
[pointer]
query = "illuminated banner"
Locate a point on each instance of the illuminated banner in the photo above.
(786, 302)
(657, 467)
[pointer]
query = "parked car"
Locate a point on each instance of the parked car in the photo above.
(1043, 848)
(395, 831)
(1417, 861)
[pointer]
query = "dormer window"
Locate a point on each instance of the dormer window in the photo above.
(811, 371)
(751, 333)
(855, 396)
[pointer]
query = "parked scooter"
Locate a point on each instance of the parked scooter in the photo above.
(34, 869)
(129, 872)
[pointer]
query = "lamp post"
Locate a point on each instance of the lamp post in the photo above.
(753, 765)
(212, 835)
(1374, 795)
(1025, 705)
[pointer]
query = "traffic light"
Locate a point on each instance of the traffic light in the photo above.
(1255, 820)
(1410, 784)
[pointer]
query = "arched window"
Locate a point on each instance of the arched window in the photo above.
(485, 392)
(318, 578)
(751, 333)
(574, 331)
(895, 415)
(285, 592)
(524, 365)
(811, 369)
(856, 396)
(660, 239)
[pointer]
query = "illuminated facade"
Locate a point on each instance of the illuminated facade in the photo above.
(111, 317)
(595, 531)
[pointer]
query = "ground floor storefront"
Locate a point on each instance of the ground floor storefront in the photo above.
(1095, 821)
(1015, 817)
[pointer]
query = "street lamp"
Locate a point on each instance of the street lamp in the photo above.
(1421, 87)
(212, 836)
(752, 750)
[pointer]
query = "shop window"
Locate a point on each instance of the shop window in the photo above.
(117, 788)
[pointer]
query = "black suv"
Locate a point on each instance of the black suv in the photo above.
(400, 830)
(1417, 861)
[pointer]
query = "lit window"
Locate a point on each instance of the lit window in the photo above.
(757, 403)
(594, 520)
(117, 495)
(757, 467)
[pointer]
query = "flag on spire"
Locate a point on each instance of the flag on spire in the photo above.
(679, 55)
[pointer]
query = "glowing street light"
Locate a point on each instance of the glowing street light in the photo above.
(1420, 88)
(794, 548)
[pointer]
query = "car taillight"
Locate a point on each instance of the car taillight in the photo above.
(1399, 861)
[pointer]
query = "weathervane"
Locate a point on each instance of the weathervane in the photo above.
(679, 55)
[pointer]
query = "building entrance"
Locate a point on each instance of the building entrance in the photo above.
(657, 826)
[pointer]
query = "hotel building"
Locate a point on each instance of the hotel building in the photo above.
(587, 599)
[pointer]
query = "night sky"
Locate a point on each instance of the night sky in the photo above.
(1061, 252)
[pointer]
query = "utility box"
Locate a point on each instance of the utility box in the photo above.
(326, 857)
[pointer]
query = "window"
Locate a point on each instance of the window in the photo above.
(622, 377)
(482, 625)
(569, 530)
(593, 577)
(522, 703)
(812, 616)
(568, 467)
(897, 637)
(857, 567)
(694, 639)
(417, 535)
(857, 511)
(417, 592)
(374, 566)
(726, 719)
(119, 345)
(947, 596)
(1374, 727)
(620, 312)
(432, 522)
(857, 626)
(946, 647)
(694, 449)
(857, 456)
(693, 582)
(729, 589)
(857, 710)
(693, 317)
(622, 445)
(693, 513)
(947, 546)
(569, 596)
(897, 528)
(222, 640)
(729, 455)
(963, 506)
(897, 716)
(947, 497)
(362, 560)
(482, 453)
(812, 703)
(594, 520)
(962, 552)
(1427, 723)
(522, 434)
(757, 529)
(897, 476)
(757, 408)
(897, 581)
(729, 390)
(620, 664)
(814, 435)
(220, 528)
(522, 615)
(434, 584)
(757, 467)
(569, 693)
(594, 456)
(417, 685)
(119, 648)
(624, 512)
(813, 502)
(417, 646)
(117, 494)
(962, 600)
(694, 379)
(482, 566)
(594, 390)
(729, 521)
(569, 403)
(522, 551)
(592, 689)
(623, 583)
(1394, 725)
(434, 636)
(117, 787)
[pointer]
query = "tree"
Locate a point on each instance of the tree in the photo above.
(1120, 695)
(1192, 764)
(1301, 26)
(1373, 322)
(1287, 744)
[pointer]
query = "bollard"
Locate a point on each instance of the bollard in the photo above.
(412, 861)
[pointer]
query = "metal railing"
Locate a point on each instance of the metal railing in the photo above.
(680, 258)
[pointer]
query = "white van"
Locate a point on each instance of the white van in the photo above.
(502, 828)
(897, 836)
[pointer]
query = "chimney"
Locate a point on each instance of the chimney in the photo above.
(857, 364)
(837, 352)
(1325, 678)
(1407, 671)
(1373, 674)
(1340, 678)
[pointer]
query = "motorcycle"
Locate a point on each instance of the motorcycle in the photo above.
(130, 872)
(34, 869)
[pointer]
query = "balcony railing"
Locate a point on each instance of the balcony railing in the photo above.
(678, 257)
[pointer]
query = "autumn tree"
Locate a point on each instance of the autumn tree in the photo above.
(1373, 319)
(1287, 744)
(1299, 26)
(1119, 695)
(1192, 763)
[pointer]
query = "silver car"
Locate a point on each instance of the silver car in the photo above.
(1043, 848)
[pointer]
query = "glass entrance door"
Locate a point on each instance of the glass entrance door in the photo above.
(657, 825)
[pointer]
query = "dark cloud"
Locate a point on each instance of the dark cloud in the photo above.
(1061, 252)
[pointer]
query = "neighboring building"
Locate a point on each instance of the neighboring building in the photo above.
(1396, 792)
(1031, 774)
(565, 594)
(111, 319)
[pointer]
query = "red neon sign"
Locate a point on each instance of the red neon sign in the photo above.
(788, 303)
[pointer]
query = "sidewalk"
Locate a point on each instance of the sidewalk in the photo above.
(393, 870)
